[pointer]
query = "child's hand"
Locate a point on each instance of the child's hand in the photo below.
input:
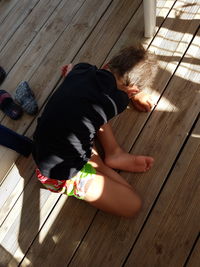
(66, 69)
(142, 102)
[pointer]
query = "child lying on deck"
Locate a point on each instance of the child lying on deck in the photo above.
(67, 161)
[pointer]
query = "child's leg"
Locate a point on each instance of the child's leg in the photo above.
(101, 167)
(108, 195)
(110, 192)
(117, 158)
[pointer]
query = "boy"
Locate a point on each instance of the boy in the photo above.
(78, 112)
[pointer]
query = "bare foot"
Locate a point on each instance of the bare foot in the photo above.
(127, 162)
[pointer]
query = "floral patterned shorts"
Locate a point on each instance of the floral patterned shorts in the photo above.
(72, 187)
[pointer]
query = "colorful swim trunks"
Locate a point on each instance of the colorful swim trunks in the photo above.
(72, 187)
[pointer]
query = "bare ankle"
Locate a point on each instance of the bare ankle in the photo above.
(114, 152)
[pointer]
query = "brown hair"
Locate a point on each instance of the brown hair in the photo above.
(135, 66)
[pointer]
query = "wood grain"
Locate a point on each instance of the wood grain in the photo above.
(41, 228)
(173, 225)
(162, 138)
(195, 256)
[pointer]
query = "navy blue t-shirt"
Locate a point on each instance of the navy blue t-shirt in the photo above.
(63, 139)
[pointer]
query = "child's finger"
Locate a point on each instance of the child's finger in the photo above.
(144, 106)
(70, 66)
(147, 107)
(140, 107)
(149, 104)
(66, 69)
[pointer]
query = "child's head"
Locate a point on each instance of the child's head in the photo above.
(134, 66)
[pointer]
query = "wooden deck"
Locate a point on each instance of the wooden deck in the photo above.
(39, 228)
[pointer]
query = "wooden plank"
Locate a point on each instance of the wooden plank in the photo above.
(85, 224)
(66, 237)
(11, 196)
(26, 217)
(46, 244)
(163, 135)
(78, 202)
(195, 257)
(8, 155)
(81, 24)
(105, 34)
(20, 228)
(26, 32)
(15, 17)
(41, 44)
(14, 184)
(132, 34)
(9, 232)
(72, 220)
(5, 8)
(173, 226)
(176, 43)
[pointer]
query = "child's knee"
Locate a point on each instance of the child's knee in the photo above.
(134, 207)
